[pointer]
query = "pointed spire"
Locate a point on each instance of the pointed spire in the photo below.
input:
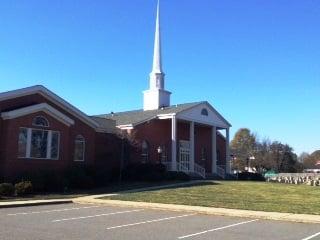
(156, 96)
(157, 65)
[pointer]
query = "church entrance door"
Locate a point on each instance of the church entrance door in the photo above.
(184, 156)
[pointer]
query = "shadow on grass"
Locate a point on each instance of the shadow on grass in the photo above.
(170, 186)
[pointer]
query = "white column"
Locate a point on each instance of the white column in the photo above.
(228, 162)
(191, 136)
(49, 143)
(174, 143)
(214, 150)
(29, 133)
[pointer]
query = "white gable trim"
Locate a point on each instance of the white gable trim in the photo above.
(166, 116)
(44, 107)
(125, 127)
(52, 97)
(194, 114)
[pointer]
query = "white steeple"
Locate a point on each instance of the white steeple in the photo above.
(156, 97)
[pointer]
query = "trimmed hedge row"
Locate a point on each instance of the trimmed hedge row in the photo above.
(19, 189)
(248, 176)
(86, 177)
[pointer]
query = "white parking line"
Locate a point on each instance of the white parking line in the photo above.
(216, 229)
(93, 216)
(313, 236)
(49, 211)
(150, 221)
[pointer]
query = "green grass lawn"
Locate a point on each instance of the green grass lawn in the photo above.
(260, 196)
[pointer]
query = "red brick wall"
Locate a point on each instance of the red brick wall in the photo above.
(108, 151)
(158, 133)
(203, 135)
(1, 150)
(221, 147)
(11, 165)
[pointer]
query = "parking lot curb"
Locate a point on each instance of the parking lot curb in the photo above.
(33, 203)
(290, 217)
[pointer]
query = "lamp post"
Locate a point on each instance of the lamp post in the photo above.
(249, 162)
(159, 150)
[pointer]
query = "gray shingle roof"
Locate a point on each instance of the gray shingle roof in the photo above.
(107, 125)
(139, 116)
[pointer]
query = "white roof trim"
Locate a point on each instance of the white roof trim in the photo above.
(51, 96)
(211, 108)
(166, 116)
(36, 108)
(124, 127)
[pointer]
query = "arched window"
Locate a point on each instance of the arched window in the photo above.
(79, 148)
(218, 157)
(204, 112)
(40, 121)
(203, 154)
(164, 154)
(144, 151)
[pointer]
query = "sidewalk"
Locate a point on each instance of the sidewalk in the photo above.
(26, 203)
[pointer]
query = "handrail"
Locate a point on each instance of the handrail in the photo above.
(200, 170)
(182, 168)
(221, 171)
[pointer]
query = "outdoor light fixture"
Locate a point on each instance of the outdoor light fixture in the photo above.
(159, 149)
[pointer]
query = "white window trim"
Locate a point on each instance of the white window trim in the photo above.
(49, 142)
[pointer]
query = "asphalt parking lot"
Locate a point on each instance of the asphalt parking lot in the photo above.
(77, 221)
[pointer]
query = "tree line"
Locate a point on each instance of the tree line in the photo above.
(250, 153)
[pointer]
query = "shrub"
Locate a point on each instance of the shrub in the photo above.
(23, 188)
(79, 177)
(144, 172)
(44, 181)
(178, 176)
(6, 189)
(250, 176)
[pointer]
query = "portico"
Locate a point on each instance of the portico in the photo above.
(214, 123)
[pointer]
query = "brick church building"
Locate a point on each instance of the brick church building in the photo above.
(40, 131)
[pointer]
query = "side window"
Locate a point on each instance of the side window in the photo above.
(203, 154)
(144, 151)
(79, 148)
(164, 154)
(38, 144)
(22, 142)
(218, 157)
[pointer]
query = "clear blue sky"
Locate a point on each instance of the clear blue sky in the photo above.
(256, 61)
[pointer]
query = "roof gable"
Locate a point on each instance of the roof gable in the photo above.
(212, 118)
(137, 117)
(186, 111)
(44, 107)
(38, 89)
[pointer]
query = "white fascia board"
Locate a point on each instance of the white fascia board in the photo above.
(51, 96)
(105, 130)
(201, 122)
(36, 108)
(125, 127)
(166, 116)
